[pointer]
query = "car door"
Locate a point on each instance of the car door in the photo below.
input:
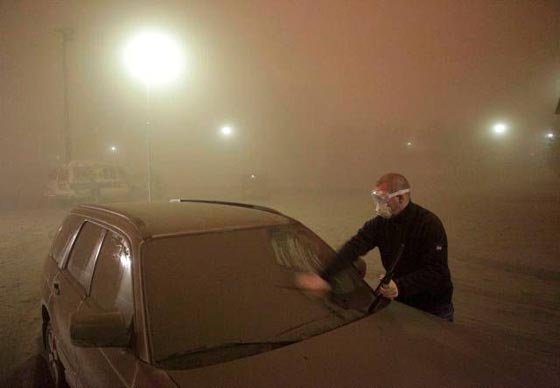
(111, 291)
(70, 289)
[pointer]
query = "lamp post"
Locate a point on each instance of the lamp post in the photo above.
(155, 59)
(67, 35)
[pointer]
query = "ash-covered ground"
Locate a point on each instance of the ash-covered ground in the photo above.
(504, 253)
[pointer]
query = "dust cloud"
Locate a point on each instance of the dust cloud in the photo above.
(322, 98)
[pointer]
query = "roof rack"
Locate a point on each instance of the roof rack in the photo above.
(133, 220)
(240, 204)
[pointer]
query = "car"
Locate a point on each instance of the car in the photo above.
(79, 181)
(202, 293)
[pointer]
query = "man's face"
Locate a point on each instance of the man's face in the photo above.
(396, 203)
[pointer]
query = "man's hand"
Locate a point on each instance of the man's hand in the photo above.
(309, 281)
(389, 291)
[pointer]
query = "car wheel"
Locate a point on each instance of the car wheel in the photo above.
(55, 366)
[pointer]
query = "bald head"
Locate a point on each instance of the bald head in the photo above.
(393, 182)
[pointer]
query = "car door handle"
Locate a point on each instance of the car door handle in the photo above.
(56, 286)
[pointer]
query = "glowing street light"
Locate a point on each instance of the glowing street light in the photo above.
(550, 136)
(226, 131)
(113, 148)
(155, 59)
(500, 129)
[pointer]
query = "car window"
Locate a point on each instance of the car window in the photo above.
(84, 252)
(112, 285)
(65, 237)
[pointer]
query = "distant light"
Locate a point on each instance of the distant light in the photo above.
(113, 148)
(253, 176)
(500, 128)
(409, 144)
(226, 131)
(550, 135)
(153, 57)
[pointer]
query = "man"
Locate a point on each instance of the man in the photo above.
(421, 278)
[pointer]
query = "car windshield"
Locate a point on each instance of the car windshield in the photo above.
(226, 289)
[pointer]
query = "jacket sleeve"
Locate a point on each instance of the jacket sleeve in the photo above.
(360, 244)
(433, 261)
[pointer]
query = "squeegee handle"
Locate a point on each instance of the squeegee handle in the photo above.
(386, 279)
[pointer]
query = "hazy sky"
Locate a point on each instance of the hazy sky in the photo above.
(317, 90)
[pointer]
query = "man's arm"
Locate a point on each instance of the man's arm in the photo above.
(360, 244)
(433, 259)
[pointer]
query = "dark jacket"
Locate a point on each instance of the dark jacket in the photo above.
(422, 274)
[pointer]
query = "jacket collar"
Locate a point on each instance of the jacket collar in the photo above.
(405, 215)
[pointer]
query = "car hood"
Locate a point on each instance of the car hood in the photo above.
(396, 347)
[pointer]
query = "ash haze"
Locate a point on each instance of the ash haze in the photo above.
(322, 98)
(323, 94)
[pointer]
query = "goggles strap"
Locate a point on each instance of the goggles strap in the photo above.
(403, 191)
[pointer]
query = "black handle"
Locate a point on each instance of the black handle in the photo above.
(56, 286)
(386, 280)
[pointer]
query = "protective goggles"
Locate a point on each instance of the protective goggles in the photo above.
(380, 196)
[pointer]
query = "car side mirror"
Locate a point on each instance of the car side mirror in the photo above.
(99, 329)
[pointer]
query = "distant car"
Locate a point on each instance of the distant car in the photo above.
(87, 181)
(199, 293)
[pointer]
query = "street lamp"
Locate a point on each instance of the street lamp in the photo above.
(226, 131)
(499, 129)
(155, 59)
(113, 148)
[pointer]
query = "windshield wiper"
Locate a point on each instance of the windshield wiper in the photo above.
(225, 346)
(306, 324)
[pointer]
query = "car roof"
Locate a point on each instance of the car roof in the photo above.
(89, 163)
(156, 219)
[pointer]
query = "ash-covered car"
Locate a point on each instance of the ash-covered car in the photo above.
(79, 181)
(199, 293)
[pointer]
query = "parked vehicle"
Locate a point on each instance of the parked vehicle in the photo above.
(87, 181)
(200, 293)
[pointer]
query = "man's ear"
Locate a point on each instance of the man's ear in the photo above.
(402, 199)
